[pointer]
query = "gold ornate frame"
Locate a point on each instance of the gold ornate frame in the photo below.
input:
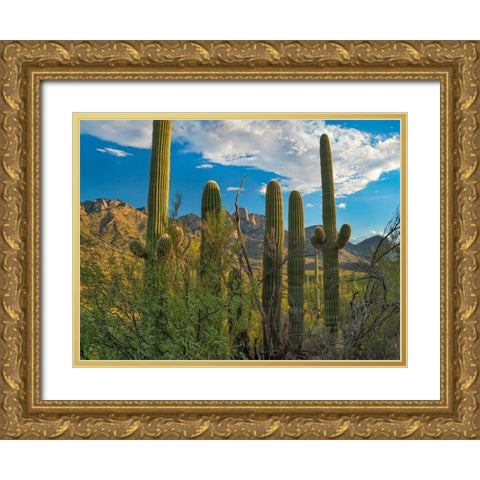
(23, 65)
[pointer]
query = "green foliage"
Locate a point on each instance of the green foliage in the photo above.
(203, 298)
(296, 268)
(137, 249)
(272, 265)
(157, 246)
(164, 323)
(369, 308)
(118, 323)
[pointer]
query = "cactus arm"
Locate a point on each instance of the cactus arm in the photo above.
(137, 249)
(164, 246)
(344, 236)
(317, 289)
(319, 234)
(318, 242)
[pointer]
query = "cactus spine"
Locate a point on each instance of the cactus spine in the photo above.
(296, 268)
(332, 242)
(272, 264)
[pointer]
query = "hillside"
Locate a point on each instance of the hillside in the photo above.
(107, 226)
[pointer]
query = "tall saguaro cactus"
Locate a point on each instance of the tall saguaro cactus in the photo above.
(210, 268)
(158, 243)
(157, 203)
(296, 268)
(332, 241)
(272, 264)
(159, 183)
(317, 240)
(211, 211)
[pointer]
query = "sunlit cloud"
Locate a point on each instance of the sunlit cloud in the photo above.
(127, 133)
(290, 149)
(286, 148)
(342, 205)
(263, 189)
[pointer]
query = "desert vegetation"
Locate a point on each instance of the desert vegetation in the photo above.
(180, 293)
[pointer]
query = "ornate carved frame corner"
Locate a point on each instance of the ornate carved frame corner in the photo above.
(25, 64)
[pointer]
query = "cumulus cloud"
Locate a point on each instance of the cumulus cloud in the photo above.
(309, 205)
(342, 205)
(287, 148)
(115, 152)
(205, 165)
(290, 149)
(127, 133)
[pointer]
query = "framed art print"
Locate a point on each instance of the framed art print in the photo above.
(239, 239)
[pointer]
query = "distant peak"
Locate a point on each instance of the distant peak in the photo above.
(100, 204)
(243, 213)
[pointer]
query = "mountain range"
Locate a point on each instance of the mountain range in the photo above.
(107, 226)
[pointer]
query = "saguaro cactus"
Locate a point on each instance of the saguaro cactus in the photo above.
(332, 242)
(317, 240)
(158, 243)
(211, 212)
(159, 183)
(296, 268)
(272, 264)
(210, 267)
(237, 325)
(157, 203)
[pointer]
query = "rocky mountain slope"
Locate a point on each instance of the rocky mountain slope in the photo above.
(109, 225)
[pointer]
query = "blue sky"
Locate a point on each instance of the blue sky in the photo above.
(115, 160)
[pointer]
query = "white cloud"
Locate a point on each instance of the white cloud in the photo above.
(342, 205)
(290, 149)
(115, 152)
(233, 189)
(205, 165)
(309, 205)
(286, 148)
(128, 133)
